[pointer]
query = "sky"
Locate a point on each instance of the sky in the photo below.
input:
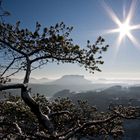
(90, 19)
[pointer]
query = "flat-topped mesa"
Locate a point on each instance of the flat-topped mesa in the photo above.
(73, 76)
(72, 80)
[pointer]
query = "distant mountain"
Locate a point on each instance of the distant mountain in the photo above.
(118, 81)
(42, 80)
(114, 89)
(71, 80)
(102, 99)
(32, 80)
(117, 95)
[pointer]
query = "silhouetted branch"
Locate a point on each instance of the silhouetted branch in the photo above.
(9, 66)
(14, 72)
(11, 86)
(34, 68)
(13, 47)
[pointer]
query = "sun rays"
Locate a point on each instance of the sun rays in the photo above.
(124, 27)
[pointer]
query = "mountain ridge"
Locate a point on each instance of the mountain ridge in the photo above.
(72, 80)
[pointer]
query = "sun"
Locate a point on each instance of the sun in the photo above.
(123, 28)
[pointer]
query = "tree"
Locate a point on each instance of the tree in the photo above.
(69, 120)
(28, 50)
(25, 50)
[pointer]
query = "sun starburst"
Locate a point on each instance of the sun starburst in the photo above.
(124, 27)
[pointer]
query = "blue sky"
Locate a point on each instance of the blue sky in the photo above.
(89, 19)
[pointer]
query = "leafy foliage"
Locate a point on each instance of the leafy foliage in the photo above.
(65, 116)
(36, 117)
(22, 49)
(50, 45)
(14, 110)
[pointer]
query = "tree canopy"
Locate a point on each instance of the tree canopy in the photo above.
(26, 50)
(53, 44)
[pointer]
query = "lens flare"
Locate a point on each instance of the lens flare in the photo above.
(124, 28)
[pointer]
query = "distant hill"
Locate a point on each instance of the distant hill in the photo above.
(64, 80)
(71, 80)
(112, 95)
(32, 80)
(102, 99)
